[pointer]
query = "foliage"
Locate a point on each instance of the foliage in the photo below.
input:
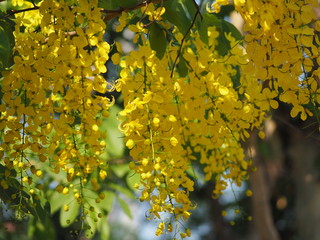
(194, 91)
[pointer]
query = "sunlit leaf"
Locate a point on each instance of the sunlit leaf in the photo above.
(125, 207)
(115, 144)
(92, 221)
(132, 178)
(108, 200)
(122, 190)
(68, 217)
(56, 201)
(3, 6)
(104, 228)
(120, 170)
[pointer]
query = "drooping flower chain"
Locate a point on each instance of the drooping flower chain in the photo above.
(169, 121)
(49, 113)
(283, 48)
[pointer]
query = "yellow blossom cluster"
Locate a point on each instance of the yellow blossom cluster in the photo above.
(169, 120)
(152, 130)
(49, 113)
(188, 104)
(282, 40)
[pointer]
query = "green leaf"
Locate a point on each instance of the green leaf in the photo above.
(120, 169)
(108, 4)
(223, 43)
(104, 228)
(236, 78)
(158, 40)
(176, 14)
(6, 44)
(39, 230)
(3, 6)
(34, 1)
(191, 7)
(229, 27)
(127, 3)
(182, 67)
(92, 221)
(116, 4)
(202, 28)
(222, 26)
(66, 218)
(132, 178)
(209, 20)
(42, 208)
(56, 201)
(125, 207)
(122, 190)
(111, 127)
(225, 11)
(107, 202)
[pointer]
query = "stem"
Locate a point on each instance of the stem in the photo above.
(12, 12)
(182, 41)
(116, 12)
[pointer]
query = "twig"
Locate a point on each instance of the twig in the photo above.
(110, 13)
(116, 12)
(198, 8)
(12, 12)
(310, 135)
(182, 41)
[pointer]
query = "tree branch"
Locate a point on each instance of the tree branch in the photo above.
(12, 12)
(182, 41)
(110, 13)
(115, 13)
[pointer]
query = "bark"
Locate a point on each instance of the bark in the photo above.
(305, 155)
(262, 214)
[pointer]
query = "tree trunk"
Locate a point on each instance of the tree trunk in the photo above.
(262, 214)
(305, 155)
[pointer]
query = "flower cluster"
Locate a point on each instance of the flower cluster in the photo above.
(49, 113)
(171, 118)
(185, 105)
(169, 121)
(154, 134)
(283, 48)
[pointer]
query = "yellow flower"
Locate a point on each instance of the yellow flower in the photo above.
(130, 144)
(249, 193)
(174, 141)
(65, 190)
(102, 174)
(66, 208)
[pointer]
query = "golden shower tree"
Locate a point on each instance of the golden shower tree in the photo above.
(194, 90)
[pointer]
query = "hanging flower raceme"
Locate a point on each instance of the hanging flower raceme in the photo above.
(49, 108)
(170, 119)
(152, 133)
(283, 49)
